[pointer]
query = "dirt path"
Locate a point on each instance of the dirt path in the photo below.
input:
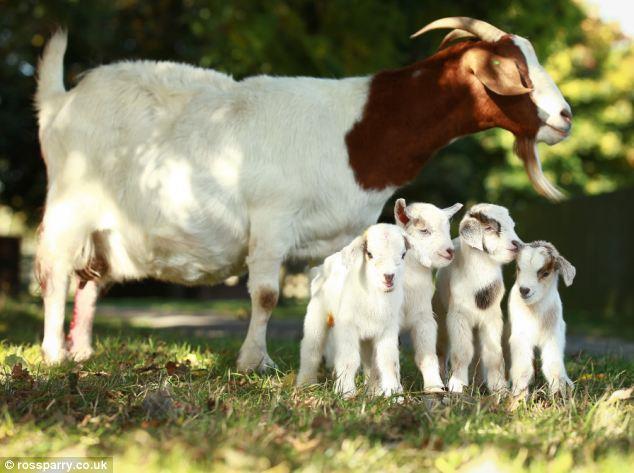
(214, 325)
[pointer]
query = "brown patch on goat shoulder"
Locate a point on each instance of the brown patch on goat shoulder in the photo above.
(330, 320)
(485, 297)
(412, 112)
(267, 299)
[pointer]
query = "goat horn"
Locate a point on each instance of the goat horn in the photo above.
(454, 35)
(479, 28)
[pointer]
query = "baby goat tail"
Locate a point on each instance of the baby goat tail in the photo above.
(526, 149)
(50, 76)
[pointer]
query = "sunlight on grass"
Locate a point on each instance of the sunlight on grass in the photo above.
(164, 403)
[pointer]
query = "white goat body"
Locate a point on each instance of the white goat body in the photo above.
(536, 317)
(352, 307)
(181, 179)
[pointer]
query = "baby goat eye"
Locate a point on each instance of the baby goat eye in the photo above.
(425, 231)
(369, 254)
(403, 255)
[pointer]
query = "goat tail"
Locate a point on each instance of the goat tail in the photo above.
(526, 149)
(50, 73)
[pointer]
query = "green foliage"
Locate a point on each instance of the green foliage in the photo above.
(333, 38)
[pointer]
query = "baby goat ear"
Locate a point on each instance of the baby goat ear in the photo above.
(471, 232)
(566, 270)
(453, 210)
(499, 74)
(354, 251)
(401, 215)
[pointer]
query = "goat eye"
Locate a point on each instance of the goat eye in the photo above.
(488, 228)
(425, 231)
(369, 255)
(403, 255)
(545, 275)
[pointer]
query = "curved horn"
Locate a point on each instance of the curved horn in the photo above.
(454, 35)
(481, 29)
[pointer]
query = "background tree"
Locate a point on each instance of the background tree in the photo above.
(333, 38)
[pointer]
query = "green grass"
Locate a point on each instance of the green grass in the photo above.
(156, 401)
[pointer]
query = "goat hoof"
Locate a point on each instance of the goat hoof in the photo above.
(53, 355)
(255, 361)
(434, 389)
(81, 353)
(455, 386)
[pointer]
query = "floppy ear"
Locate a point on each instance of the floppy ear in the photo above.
(401, 215)
(354, 251)
(471, 233)
(451, 211)
(566, 270)
(499, 74)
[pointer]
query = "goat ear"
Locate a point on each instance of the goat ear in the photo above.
(566, 270)
(451, 211)
(354, 251)
(499, 74)
(471, 233)
(401, 215)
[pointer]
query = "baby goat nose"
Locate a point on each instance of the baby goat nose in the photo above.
(524, 291)
(389, 278)
(449, 252)
(516, 244)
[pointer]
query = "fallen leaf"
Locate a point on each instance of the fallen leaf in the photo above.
(171, 367)
(18, 373)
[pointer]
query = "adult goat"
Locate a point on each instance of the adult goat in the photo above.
(164, 170)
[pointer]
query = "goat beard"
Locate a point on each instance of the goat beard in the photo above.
(526, 149)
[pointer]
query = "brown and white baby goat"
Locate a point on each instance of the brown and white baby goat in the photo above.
(469, 292)
(536, 317)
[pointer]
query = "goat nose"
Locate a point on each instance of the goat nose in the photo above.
(389, 278)
(524, 291)
(449, 252)
(516, 244)
(566, 114)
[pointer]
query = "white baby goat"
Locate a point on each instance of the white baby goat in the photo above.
(535, 313)
(427, 228)
(469, 293)
(357, 293)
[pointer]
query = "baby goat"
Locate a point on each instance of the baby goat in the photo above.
(357, 293)
(535, 313)
(427, 228)
(469, 293)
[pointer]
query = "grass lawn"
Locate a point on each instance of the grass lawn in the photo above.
(157, 401)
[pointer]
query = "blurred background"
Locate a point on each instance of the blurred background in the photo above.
(586, 46)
